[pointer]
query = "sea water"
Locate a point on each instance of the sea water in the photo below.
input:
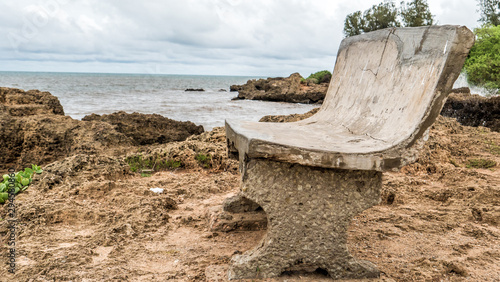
(462, 82)
(82, 94)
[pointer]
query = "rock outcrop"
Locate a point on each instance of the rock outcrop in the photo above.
(17, 102)
(146, 129)
(280, 89)
(472, 109)
(34, 130)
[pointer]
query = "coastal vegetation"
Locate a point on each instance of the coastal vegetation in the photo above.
(22, 179)
(481, 163)
(483, 63)
(138, 163)
(203, 160)
(490, 12)
(323, 76)
(387, 14)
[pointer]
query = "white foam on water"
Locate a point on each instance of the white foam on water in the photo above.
(462, 82)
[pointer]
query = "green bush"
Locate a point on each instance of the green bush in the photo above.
(22, 180)
(320, 77)
(483, 63)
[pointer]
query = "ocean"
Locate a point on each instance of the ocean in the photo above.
(82, 94)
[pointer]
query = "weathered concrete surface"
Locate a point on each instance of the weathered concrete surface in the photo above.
(308, 211)
(388, 88)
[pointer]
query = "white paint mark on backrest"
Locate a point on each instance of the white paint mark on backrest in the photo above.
(363, 73)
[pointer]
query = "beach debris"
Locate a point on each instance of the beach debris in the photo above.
(156, 190)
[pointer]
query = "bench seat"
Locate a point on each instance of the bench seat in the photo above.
(307, 143)
(388, 87)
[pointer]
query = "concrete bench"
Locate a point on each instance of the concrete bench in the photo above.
(313, 176)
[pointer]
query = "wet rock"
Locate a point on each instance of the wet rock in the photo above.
(473, 110)
(145, 129)
(290, 89)
(195, 89)
(461, 90)
(234, 88)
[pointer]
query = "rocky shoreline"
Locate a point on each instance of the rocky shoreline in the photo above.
(472, 109)
(34, 129)
(292, 89)
(93, 215)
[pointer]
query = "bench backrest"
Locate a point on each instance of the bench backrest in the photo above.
(391, 84)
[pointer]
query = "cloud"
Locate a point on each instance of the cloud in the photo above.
(258, 37)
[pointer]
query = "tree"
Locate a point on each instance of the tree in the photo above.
(378, 16)
(353, 24)
(381, 16)
(416, 13)
(386, 14)
(483, 63)
(490, 12)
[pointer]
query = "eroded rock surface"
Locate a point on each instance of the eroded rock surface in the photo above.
(35, 130)
(146, 129)
(17, 102)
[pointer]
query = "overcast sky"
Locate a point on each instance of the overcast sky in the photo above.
(222, 37)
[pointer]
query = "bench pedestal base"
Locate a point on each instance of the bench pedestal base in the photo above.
(309, 210)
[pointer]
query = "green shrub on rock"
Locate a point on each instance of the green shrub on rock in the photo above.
(319, 77)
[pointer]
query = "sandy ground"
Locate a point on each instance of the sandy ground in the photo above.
(88, 218)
